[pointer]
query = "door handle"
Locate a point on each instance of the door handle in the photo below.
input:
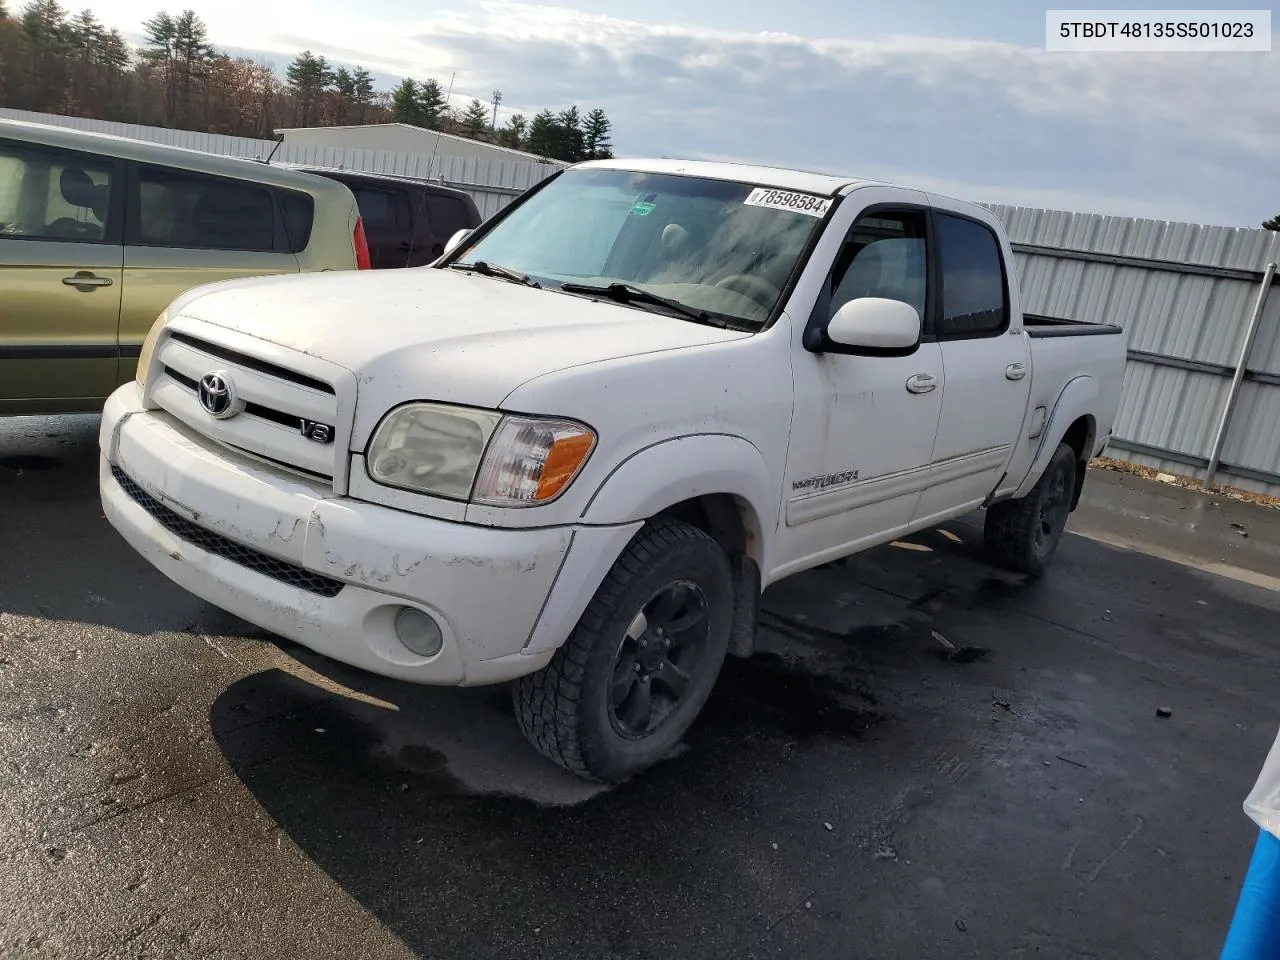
(84, 278)
(922, 383)
(1015, 371)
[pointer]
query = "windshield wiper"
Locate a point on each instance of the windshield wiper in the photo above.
(629, 293)
(486, 269)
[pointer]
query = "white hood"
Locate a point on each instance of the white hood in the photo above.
(424, 333)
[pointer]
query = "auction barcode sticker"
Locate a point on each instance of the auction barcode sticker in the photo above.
(807, 203)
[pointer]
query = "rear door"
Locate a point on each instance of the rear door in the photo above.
(986, 365)
(446, 215)
(388, 225)
(184, 229)
(60, 277)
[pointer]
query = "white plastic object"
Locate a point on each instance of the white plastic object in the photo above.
(1262, 805)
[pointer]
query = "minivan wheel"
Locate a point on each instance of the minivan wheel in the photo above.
(1023, 535)
(638, 668)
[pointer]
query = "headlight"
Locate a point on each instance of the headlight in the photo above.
(478, 455)
(149, 347)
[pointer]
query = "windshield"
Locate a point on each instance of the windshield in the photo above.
(717, 246)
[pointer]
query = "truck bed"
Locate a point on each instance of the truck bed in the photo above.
(1037, 325)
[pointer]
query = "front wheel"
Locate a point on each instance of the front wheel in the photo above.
(1022, 535)
(641, 662)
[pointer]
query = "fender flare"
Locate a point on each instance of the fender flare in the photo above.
(671, 471)
(1079, 397)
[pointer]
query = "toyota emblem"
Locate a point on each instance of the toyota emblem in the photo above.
(218, 395)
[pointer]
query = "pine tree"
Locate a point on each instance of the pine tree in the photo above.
(308, 76)
(1272, 224)
(595, 136)
(569, 143)
(512, 135)
(405, 107)
(544, 135)
(193, 54)
(361, 92)
(44, 26)
(475, 120)
(432, 108)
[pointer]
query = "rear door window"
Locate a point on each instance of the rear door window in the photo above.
(975, 301)
(380, 209)
(193, 211)
(49, 194)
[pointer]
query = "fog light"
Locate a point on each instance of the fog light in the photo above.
(418, 632)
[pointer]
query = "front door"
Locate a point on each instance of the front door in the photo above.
(987, 370)
(185, 229)
(864, 426)
(60, 278)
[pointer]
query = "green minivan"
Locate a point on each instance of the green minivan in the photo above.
(98, 234)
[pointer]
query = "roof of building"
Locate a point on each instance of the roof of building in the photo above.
(433, 134)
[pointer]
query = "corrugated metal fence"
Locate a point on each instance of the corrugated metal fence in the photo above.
(1183, 293)
(491, 182)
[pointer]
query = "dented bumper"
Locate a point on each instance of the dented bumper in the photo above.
(331, 573)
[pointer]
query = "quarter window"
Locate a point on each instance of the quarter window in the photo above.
(974, 300)
(205, 213)
(298, 210)
(50, 195)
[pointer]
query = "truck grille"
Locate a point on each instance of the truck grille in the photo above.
(205, 539)
(289, 419)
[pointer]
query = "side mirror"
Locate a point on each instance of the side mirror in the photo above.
(456, 239)
(875, 323)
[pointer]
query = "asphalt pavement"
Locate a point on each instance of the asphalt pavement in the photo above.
(178, 784)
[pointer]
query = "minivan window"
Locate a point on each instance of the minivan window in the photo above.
(447, 215)
(195, 212)
(51, 195)
(974, 302)
(382, 209)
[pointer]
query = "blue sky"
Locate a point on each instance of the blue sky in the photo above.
(959, 98)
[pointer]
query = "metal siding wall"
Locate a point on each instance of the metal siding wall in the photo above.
(1163, 311)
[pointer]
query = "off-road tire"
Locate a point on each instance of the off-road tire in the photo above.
(1023, 535)
(563, 709)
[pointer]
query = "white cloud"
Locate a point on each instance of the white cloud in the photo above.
(1166, 135)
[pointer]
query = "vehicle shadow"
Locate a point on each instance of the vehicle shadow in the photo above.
(427, 806)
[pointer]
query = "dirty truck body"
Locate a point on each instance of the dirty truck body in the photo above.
(571, 453)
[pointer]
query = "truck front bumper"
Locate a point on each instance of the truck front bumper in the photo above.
(332, 573)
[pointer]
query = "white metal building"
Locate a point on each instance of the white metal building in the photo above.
(402, 138)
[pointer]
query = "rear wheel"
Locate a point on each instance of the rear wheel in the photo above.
(1023, 535)
(640, 664)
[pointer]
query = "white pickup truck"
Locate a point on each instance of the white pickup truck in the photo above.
(573, 451)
